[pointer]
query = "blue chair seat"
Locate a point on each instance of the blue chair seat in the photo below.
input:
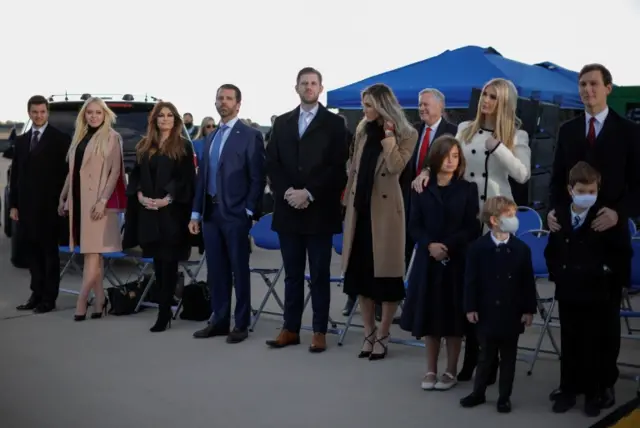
(67, 250)
(629, 314)
(115, 255)
(263, 236)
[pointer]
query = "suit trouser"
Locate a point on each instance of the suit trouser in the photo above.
(228, 267)
(611, 338)
(490, 348)
(44, 266)
(294, 248)
(583, 338)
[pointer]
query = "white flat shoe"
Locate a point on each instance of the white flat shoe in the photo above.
(429, 381)
(446, 382)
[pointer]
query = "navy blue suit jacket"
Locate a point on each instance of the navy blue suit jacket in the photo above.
(241, 173)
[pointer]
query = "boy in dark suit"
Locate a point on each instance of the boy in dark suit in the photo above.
(581, 262)
(499, 297)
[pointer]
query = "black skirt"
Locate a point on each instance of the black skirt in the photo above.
(442, 303)
(359, 279)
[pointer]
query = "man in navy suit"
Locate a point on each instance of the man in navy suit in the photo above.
(229, 189)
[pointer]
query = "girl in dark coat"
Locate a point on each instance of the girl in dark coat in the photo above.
(160, 191)
(442, 222)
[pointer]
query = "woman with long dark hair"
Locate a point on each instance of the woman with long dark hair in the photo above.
(160, 191)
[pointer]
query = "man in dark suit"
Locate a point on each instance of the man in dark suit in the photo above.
(306, 165)
(611, 144)
(38, 172)
(433, 125)
(229, 189)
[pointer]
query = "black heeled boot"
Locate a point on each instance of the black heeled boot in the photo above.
(163, 322)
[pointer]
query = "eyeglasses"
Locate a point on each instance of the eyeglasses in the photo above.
(209, 126)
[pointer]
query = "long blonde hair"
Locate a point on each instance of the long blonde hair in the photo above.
(507, 123)
(101, 136)
(386, 104)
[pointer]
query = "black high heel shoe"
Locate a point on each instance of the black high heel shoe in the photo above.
(98, 315)
(162, 323)
(80, 317)
(371, 340)
(380, 356)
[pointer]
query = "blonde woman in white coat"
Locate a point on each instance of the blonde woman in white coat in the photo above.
(495, 149)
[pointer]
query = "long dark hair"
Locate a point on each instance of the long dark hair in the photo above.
(174, 146)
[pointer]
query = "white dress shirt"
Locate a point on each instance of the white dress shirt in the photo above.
(434, 129)
(598, 124)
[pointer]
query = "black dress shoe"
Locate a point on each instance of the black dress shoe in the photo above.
(555, 394)
(43, 308)
(564, 402)
(504, 405)
(592, 406)
(607, 399)
(472, 400)
(237, 335)
(211, 330)
(31, 304)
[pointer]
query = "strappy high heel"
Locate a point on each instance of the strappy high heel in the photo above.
(103, 311)
(370, 339)
(374, 356)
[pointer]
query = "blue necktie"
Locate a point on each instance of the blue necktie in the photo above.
(576, 222)
(214, 158)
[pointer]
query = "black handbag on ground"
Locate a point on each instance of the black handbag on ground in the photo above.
(196, 302)
(123, 299)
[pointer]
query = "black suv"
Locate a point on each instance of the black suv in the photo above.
(131, 123)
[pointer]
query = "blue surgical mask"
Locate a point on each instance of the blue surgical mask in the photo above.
(509, 224)
(584, 201)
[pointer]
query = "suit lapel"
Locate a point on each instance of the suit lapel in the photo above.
(606, 128)
(292, 123)
(233, 135)
(41, 143)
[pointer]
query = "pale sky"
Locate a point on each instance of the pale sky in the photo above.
(181, 51)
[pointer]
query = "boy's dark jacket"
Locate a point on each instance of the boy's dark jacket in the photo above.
(500, 286)
(576, 258)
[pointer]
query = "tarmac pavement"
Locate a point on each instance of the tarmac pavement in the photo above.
(113, 372)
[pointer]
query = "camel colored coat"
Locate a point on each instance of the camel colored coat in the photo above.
(387, 206)
(98, 178)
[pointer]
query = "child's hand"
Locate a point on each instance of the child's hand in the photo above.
(472, 317)
(527, 319)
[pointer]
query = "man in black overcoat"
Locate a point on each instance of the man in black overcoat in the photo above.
(38, 172)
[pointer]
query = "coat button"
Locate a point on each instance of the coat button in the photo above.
(566, 240)
(486, 152)
(484, 174)
(473, 151)
(497, 302)
(299, 168)
(384, 196)
(472, 174)
(483, 197)
(564, 266)
(383, 174)
(480, 131)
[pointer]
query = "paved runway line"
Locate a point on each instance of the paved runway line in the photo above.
(632, 420)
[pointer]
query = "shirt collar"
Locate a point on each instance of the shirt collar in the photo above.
(497, 241)
(231, 123)
(433, 127)
(41, 129)
(311, 112)
(600, 117)
(581, 216)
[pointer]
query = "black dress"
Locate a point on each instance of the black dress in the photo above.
(77, 185)
(359, 279)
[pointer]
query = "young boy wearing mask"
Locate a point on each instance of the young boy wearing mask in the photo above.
(580, 261)
(499, 297)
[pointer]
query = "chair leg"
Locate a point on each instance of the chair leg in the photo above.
(271, 284)
(348, 322)
(546, 314)
(146, 290)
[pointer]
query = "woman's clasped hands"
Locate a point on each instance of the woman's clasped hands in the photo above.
(438, 251)
(152, 204)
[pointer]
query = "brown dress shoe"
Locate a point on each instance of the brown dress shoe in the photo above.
(318, 343)
(284, 339)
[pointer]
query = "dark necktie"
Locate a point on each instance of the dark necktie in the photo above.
(591, 135)
(34, 140)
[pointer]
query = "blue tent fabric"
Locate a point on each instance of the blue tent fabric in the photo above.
(455, 73)
(572, 76)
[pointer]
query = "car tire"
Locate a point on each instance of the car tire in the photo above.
(7, 220)
(19, 257)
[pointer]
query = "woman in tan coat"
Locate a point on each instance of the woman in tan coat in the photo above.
(95, 165)
(374, 230)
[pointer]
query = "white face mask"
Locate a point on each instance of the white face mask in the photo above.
(509, 224)
(584, 201)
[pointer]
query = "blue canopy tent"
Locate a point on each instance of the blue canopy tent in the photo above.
(572, 76)
(456, 73)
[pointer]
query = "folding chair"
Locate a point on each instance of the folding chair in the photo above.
(537, 242)
(267, 239)
(70, 264)
(635, 285)
(529, 219)
(632, 228)
(192, 268)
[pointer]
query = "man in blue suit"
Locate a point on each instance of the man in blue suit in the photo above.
(230, 185)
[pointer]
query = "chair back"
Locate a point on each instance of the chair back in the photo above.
(529, 219)
(537, 241)
(632, 228)
(635, 264)
(263, 236)
(337, 243)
